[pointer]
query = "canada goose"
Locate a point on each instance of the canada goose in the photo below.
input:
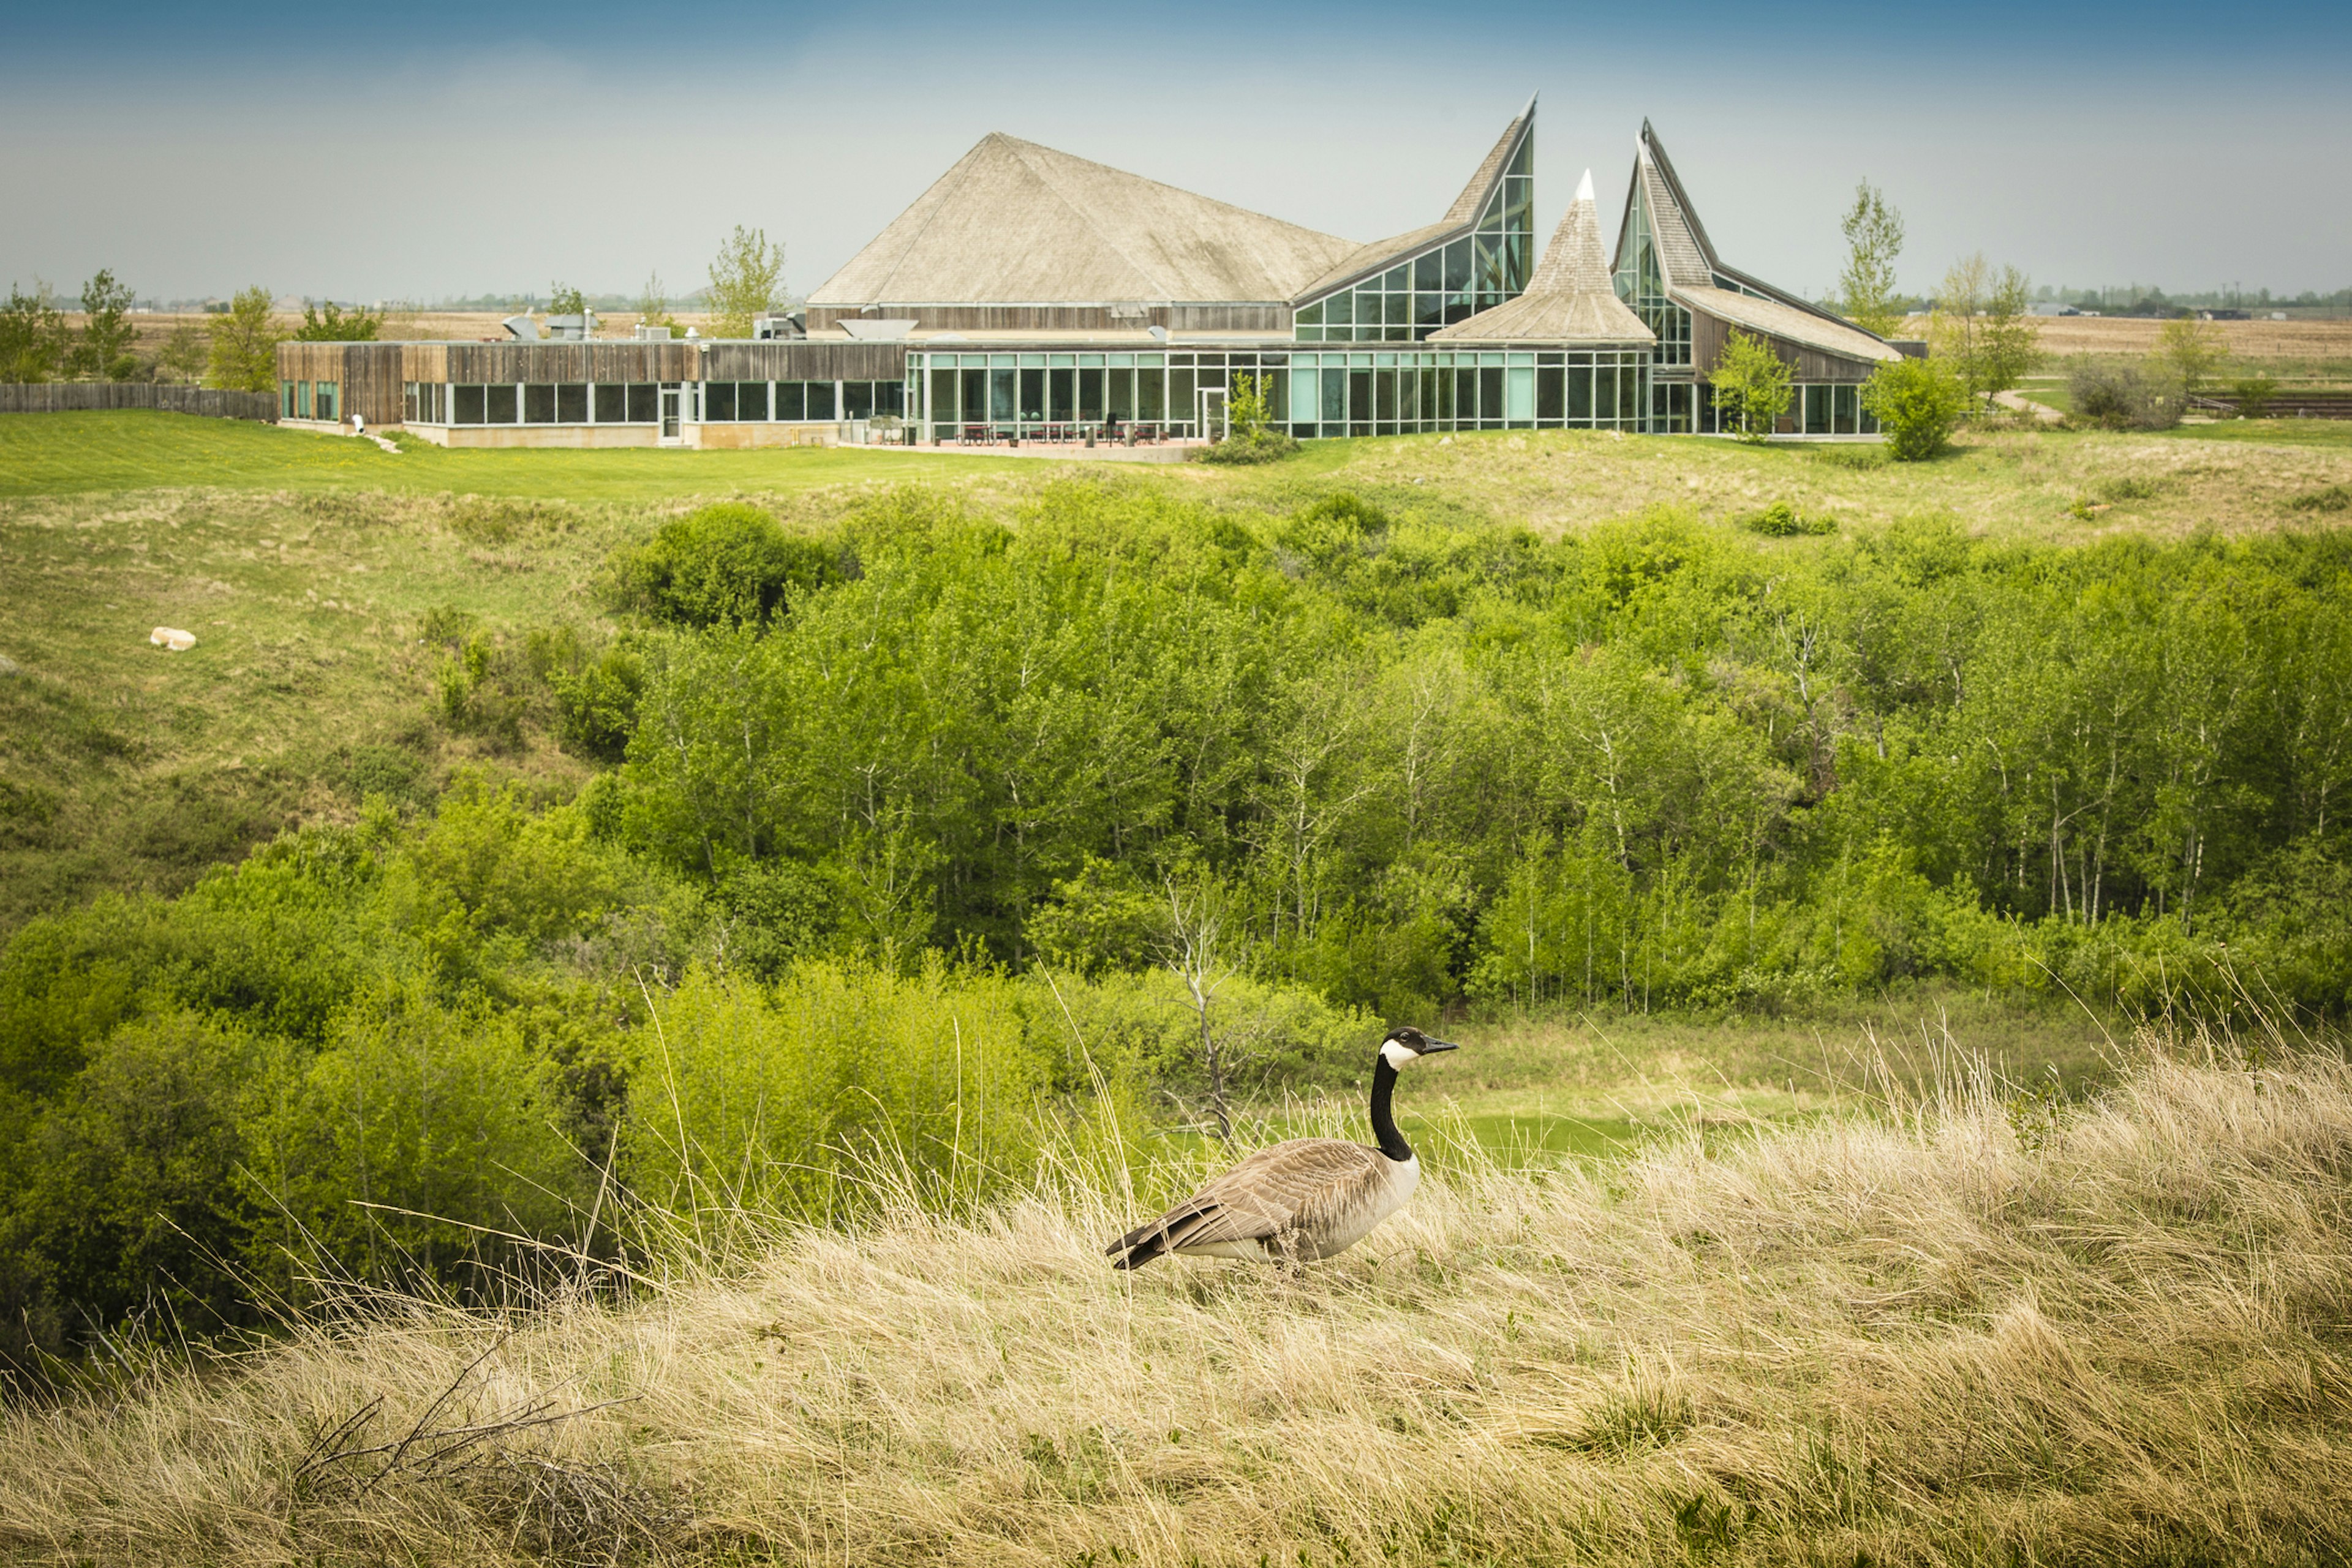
(1297, 1200)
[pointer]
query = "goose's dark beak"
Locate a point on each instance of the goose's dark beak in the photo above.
(1430, 1047)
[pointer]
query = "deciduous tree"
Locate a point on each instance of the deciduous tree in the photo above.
(1752, 386)
(1874, 238)
(245, 345)
(747, 280)
(104, 351)
(2192, 349)
(184, 353)
(328, 322)
(33, 336)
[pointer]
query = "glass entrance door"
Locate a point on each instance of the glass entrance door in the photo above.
(670, 393)
(1213, 413)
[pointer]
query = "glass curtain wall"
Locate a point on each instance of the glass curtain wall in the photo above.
(1643, 287)
(1444, 284)
(1415, 390)
(1817, 409)
(996, 396)
(979, 397)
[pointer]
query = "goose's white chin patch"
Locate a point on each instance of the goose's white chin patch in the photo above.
(1395, 1054)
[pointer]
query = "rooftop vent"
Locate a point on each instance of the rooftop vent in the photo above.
(522, 327)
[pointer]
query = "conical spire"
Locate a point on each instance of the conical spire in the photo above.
(1569, 299)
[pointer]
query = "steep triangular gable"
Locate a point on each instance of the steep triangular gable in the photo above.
(1569, 300)
(1472, 202)
(1689, 259)
(1460, 218)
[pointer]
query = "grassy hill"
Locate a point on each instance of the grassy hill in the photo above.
(1942, 1332)
(304, 565)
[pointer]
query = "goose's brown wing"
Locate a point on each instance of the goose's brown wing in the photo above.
(1303, 1183)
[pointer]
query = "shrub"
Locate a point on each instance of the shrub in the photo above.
(2123, 397)
(1917, 403)
(1781, 521)
(1264, 445)
(2334, 498)
(726, 565)
(2254, 394)
(1860, 459)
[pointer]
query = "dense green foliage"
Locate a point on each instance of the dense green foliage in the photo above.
(1753, 385)
(1917, 404)
(897, 817)
(1650, 766)
(330, 323)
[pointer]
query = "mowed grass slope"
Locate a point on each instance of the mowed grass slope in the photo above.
(1926, 1336)
(74, 454)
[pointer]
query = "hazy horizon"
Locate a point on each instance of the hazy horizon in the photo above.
(470, 152)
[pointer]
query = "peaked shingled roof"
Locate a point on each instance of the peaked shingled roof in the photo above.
(1695, 274)
(1569, 300)
(1015, 223)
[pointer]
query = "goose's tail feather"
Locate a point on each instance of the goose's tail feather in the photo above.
(1162, 1236)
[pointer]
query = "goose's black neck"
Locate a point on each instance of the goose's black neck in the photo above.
(1384, 1127)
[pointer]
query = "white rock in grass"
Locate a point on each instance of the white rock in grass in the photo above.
(9, 667)
(170, 638)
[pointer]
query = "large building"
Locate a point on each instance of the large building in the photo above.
(1031, 295)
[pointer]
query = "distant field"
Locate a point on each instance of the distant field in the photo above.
(2250, 341)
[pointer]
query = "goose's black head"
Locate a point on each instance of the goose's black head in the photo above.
(1407, 1044)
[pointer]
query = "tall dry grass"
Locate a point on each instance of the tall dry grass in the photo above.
(1965, 1329)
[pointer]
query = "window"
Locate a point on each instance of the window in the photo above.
(538, 403)
(645, 401)
(1442, 284)
(505, 405)
(472, 407)
(820, 400)
(858, 400)
(718, 401)
(286, 400)
(301, 400)
(752, 401)
(1641, 285)
(329, 396)
(572, 403)
(612, 403)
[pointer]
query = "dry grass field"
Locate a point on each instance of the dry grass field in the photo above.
(1945, 1332)
(2249, 340)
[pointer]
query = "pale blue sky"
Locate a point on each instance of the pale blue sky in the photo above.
(445, 149)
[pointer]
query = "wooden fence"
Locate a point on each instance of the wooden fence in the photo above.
(2282, 405)
(79, 397)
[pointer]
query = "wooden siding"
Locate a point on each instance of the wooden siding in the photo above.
(1272, 317)
(612, 362)
(1709, 335)
(798, 361)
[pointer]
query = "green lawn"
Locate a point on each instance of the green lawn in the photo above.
(72, 454)
(2331, 434)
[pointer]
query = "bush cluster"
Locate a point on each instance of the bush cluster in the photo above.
(2114, 395)
(873, 785)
